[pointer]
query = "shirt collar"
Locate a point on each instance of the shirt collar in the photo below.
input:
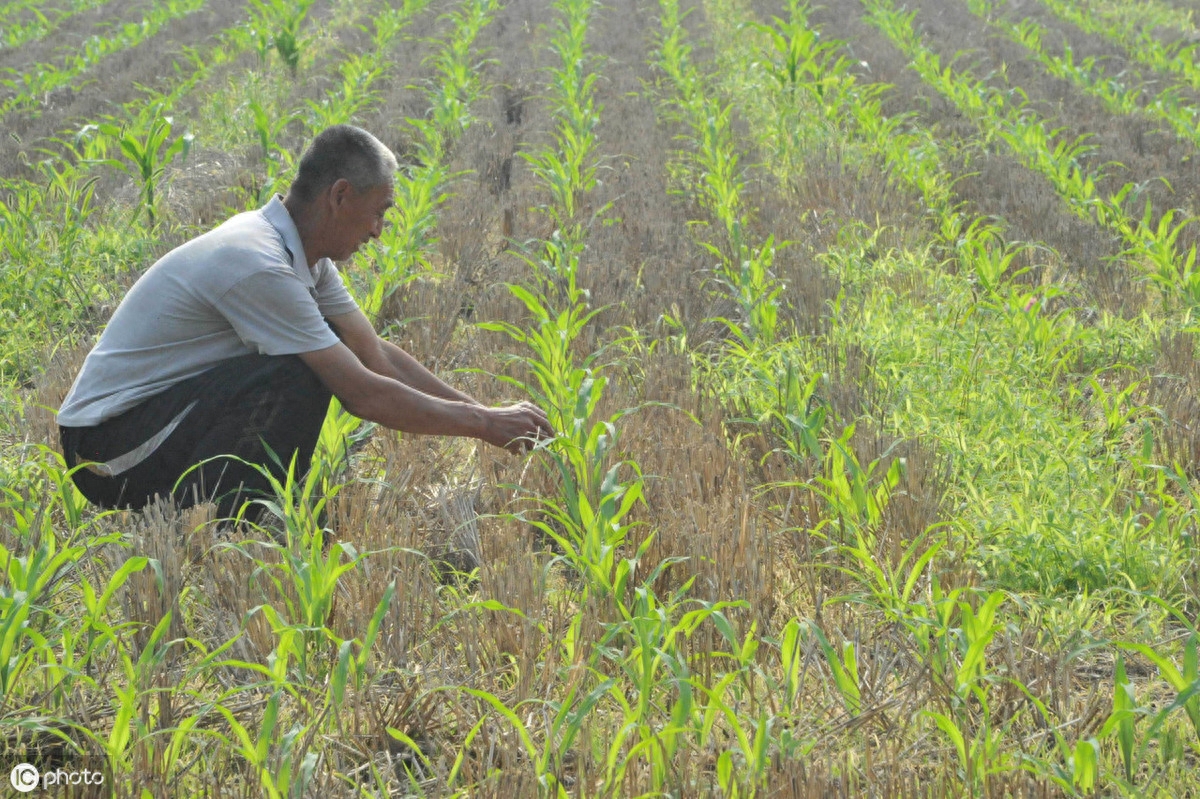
(277, 214)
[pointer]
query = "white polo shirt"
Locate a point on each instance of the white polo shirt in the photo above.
(240, 289)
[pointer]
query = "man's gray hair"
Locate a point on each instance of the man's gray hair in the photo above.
(343, 151)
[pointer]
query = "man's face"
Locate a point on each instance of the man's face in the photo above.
(360, 218)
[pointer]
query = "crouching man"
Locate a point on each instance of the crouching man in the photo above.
(234, 343)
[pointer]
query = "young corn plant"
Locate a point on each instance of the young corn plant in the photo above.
(26, 631)
(275, 757)
(658, 676)
(306, 566)
(277, 159)
(148, 149)
(277, 24)
(1122, 722)
(1156, 247)
(957, 656)
(589, 521)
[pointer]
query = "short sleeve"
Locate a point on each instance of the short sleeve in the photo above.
(274, 314)
(332, 297)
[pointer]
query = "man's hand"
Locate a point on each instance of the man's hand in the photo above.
(518, 427)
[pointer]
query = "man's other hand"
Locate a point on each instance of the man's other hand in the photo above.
(518, 427)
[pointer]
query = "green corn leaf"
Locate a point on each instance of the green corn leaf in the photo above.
(1124, 702)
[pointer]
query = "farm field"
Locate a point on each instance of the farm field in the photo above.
(869, 329)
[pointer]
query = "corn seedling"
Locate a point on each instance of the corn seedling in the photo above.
(277, 24)
(148, 152)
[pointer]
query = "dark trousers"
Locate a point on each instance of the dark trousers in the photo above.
(243, 407)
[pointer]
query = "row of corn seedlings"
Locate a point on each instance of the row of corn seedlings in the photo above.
(1086, 73)
(43, 23)
(1168, 105)
(761, 674)
(1075, 765)
(1151, 241)
(625, 681)
(588, 518)
(713, 172)
(1132, 26)
(591, 524)
(31, 87)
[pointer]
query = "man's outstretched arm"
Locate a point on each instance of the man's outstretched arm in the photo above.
(401, 406)
(386, 359)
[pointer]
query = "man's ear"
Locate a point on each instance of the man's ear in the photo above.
(340, 191)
